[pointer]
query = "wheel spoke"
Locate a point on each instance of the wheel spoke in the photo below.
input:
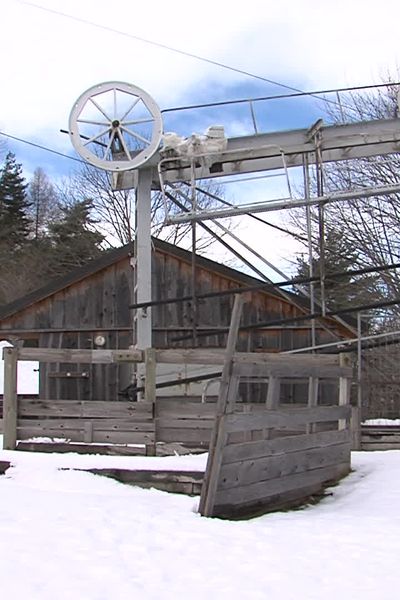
(96, 137)
(110, 141)
(123, 144)
(92, 122)
(100, 109)
(135, 135)
(115, 102)
(129, 109)
(150, 120)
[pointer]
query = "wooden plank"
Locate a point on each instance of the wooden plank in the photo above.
(185, 436)
(286, 418)
(261, 491)
(258, 448)
(254, 470)
(81, 448)
(288, 370)
(344, 388)
(10, 399)
(166, 423)
(89, 408)
(109, 437)
(88, 432)
(79, 424)
(68, 355)
(150, 375)
(70, 374)
(219, 435)
(273, 393)
(177, 482)
(217, 356)
(185, 410)
(289, 499)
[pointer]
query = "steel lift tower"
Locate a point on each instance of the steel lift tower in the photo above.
(118, 127)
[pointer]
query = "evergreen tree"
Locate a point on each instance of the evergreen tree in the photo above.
(74, 241)
(340, 256)
(14, 205)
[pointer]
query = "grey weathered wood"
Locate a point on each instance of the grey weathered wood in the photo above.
(128, 424)
(150, 375)
(285, 369)
(184, 436)
(243, 473)
(355, 428)
(344, 388)
(68, 355)
(217, 356)
(88, 432)
(110, 437)
(273, 393)
(10, 399)
(225, 403)
(185, 410)
(185, 423)
(81, 448)
(264, 448)
(286, 418)
(150, 388)
(264, 491)
(90, 408)
(178, 482)
(313, 385)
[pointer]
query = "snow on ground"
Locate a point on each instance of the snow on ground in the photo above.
(394, 422)
(74, 535)
(28, 378)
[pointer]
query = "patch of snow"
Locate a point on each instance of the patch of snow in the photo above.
(76, 535)
(28, 378)
(382, 422)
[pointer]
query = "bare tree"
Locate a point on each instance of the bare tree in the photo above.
(44, 202)
(114, 210)
(370, 226)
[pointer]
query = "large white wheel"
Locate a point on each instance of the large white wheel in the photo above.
(115, 126)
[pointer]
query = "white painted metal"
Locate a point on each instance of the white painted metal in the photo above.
(263, 152)
(284, 204)
(142, 291)
(115, 126)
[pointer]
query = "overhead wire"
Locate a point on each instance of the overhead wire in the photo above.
(181, 52)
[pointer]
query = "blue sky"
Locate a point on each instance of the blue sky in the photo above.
(51, 58)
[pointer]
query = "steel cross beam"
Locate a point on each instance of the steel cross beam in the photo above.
(263, 152)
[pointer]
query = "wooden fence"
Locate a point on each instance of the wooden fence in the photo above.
(272, 457)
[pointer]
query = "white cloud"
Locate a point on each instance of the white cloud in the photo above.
(51, 59)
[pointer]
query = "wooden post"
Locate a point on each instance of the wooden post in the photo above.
(225, 404)
(355, 425)
(10, 356)
(150, 390)
(273, 399)
(344, 388)
(313, 384)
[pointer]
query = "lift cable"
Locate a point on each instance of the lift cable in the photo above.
(190, 55)
(267, 286)
(287, 321)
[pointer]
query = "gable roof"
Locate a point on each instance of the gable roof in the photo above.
(110, 257)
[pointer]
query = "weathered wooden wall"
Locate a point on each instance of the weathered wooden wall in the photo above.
(75, 313)
(271, 456)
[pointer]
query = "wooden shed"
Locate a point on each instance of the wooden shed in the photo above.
(90, 306)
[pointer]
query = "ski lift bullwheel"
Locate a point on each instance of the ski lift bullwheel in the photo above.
(115, 126)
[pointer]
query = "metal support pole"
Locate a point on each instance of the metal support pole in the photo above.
(359, 361)
(306, 176)
(142, 322)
